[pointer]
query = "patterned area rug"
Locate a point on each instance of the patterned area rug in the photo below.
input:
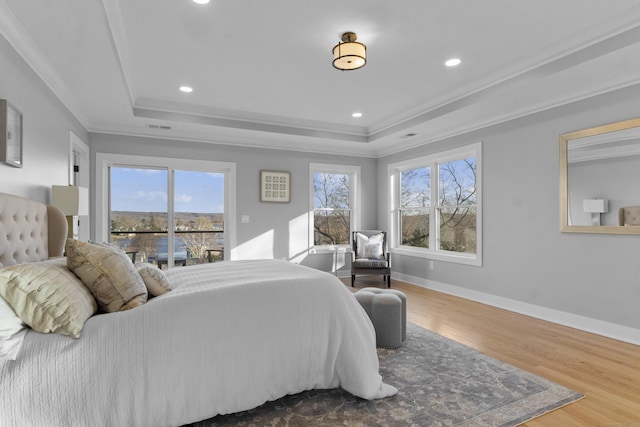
(440, 383)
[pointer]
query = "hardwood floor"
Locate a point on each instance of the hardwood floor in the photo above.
(606, 371)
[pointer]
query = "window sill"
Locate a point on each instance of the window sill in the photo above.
(458, 258)
(330, 249)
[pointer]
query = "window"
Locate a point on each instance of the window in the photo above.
(333, 195)
(167, 215)
(139, 214)
(435, 206)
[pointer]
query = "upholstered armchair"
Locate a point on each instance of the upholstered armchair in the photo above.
(629, 216)
(370, 255)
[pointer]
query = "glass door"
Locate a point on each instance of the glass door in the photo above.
(198, 220)
(139, 213)
(144, 201)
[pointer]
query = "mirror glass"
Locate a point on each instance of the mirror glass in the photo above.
(600, 179)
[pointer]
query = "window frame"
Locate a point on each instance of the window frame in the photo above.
(394, 223)
(354, 173)
(106, 160)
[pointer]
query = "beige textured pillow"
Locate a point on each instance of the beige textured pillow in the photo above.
(47, 297)
(108, 273)
(153, 278)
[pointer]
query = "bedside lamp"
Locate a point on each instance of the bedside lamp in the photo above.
(595, 207)
(73, 201)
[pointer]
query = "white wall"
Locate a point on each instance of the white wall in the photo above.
(46, 127)
(526, 258)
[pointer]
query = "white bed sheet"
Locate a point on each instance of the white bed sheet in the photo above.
(229, 337)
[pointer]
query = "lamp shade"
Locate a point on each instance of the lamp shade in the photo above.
(349, 55)
(70, 199)
(595, 205)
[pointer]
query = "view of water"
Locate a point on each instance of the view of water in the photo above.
(162, 243)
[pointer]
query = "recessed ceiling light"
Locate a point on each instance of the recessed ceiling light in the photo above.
(356, 115)
(453, 62)
(201, 1)
(186, 89)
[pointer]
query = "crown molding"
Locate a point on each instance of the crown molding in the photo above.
(23, 44)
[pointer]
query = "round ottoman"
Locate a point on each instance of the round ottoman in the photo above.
(387, 309)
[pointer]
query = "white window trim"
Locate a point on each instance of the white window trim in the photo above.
(105, 160)
(354, 173)
(394, 170)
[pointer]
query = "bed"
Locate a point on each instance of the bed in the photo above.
(226, 337)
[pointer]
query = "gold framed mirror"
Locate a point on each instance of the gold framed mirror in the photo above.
(600, 179)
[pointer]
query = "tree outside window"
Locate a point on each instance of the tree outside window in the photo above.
(415, 202)
(436, 206)
(331, 208)
(457, 205)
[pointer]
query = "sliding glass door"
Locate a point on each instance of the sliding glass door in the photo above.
(198, 220)
(165, 216)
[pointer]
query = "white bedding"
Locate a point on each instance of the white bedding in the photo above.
(229, 337)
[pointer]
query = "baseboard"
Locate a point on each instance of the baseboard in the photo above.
(599, 327)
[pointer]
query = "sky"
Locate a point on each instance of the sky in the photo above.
(456, 181)
(145, 190)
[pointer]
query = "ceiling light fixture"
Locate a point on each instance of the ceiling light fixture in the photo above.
(201, 1)
(349, 54)
(453, 62)
(186, 89)
(356, 115)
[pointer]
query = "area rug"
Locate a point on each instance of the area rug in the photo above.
(440, 383)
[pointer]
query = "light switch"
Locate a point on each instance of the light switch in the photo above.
(244, 219)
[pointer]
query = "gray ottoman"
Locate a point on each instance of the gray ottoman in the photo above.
(387, 309)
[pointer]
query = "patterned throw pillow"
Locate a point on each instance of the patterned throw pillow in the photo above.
(373, 250)
(153, 278)
(362, 241)
(47, 297)
(108, 273)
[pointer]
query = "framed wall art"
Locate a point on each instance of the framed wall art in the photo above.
(275, 186)
(10, 134)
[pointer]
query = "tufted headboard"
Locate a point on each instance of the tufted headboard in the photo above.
(30, 231)
(629, 215)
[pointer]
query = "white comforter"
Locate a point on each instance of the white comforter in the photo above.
(229, 337)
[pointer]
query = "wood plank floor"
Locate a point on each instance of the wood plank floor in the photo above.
(606, 371)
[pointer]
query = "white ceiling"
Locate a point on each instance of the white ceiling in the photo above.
(262, 74)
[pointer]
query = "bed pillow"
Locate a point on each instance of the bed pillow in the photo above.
(47, 297)
(153, 278)
(10, 323)
(108, 273)
(10, 347)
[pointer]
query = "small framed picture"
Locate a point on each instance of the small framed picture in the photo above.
(10, 134)
(275, 186)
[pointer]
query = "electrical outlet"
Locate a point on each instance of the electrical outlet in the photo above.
(430, 265)
(244, 219)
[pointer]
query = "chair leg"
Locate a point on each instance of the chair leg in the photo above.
(353, 279)
(388, 280)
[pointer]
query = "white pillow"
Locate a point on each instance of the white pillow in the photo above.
(10, 347)
(362, 241)
(10, 323)
(373, 250)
